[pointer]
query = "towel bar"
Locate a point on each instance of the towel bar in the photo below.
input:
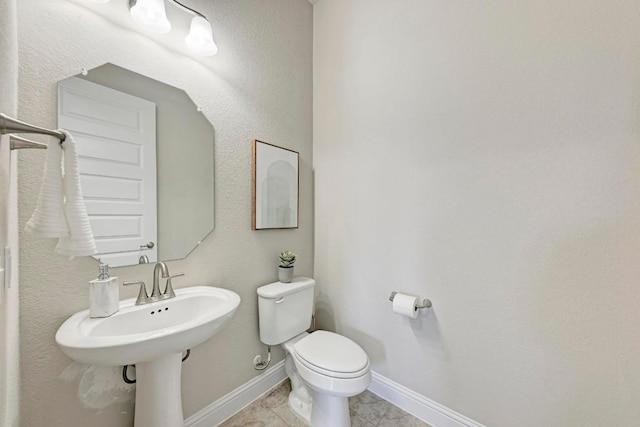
(18, 143)
(11, 125)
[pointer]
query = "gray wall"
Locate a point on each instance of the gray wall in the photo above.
(258, 86)
(485, 155)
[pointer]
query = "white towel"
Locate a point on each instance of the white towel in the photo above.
(60, 210)
(49, 220)
(80, 240)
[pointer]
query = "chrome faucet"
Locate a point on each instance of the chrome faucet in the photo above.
(156, 295)
(160, 267)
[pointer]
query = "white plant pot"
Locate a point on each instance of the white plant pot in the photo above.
(285, 274)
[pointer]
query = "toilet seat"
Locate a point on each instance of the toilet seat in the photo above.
(332, 355)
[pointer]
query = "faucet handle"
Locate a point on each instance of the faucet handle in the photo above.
(143, 297)
(168, 290)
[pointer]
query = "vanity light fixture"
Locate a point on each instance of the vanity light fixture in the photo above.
(151, 14)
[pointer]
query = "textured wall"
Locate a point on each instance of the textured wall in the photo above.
(9, 300)
(485, 155)
(258, 86)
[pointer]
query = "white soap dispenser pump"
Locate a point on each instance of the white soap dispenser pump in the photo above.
(104, 294)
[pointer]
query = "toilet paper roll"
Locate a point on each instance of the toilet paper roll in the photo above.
(405, 305)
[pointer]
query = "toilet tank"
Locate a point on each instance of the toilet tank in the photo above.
(284, 309)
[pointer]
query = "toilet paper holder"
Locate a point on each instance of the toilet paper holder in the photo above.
(426, 303)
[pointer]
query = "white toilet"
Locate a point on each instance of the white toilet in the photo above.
(325, 368)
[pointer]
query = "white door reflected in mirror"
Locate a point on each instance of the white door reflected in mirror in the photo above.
(116, 137)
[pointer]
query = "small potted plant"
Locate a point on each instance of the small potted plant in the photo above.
(285, 271)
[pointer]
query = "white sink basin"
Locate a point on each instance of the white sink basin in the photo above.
(144, 333)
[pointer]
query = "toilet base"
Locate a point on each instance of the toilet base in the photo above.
(329, 411)
(318, 409)
(299, 398)
(300, 408)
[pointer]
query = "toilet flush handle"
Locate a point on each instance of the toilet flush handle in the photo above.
(280, 300)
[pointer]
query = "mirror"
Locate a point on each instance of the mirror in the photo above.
(145, 154)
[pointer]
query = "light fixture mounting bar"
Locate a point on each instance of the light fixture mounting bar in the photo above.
(188, 9)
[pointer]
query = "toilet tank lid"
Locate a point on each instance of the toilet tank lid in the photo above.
(279, 289)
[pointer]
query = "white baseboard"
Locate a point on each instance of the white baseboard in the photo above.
(417, 405)
(232, 403)
(408, 400)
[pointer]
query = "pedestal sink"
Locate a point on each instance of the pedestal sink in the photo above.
(153, 337)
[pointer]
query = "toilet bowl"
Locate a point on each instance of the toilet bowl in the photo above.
(325, 368)
(328, 369)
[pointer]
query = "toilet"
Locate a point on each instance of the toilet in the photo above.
(325, 368)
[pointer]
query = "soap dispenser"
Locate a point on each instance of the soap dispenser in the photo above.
(104, 294)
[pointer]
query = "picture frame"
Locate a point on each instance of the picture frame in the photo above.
(275, 187)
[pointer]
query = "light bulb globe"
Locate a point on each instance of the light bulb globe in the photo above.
(151, 15)
(200, 37)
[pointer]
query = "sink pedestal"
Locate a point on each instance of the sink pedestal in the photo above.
(158, 392)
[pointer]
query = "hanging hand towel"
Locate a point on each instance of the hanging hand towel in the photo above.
(49, 219)
(80, 240)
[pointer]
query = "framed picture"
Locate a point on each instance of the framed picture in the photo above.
(275, 187)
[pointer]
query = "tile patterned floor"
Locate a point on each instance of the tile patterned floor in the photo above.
(367, 410)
